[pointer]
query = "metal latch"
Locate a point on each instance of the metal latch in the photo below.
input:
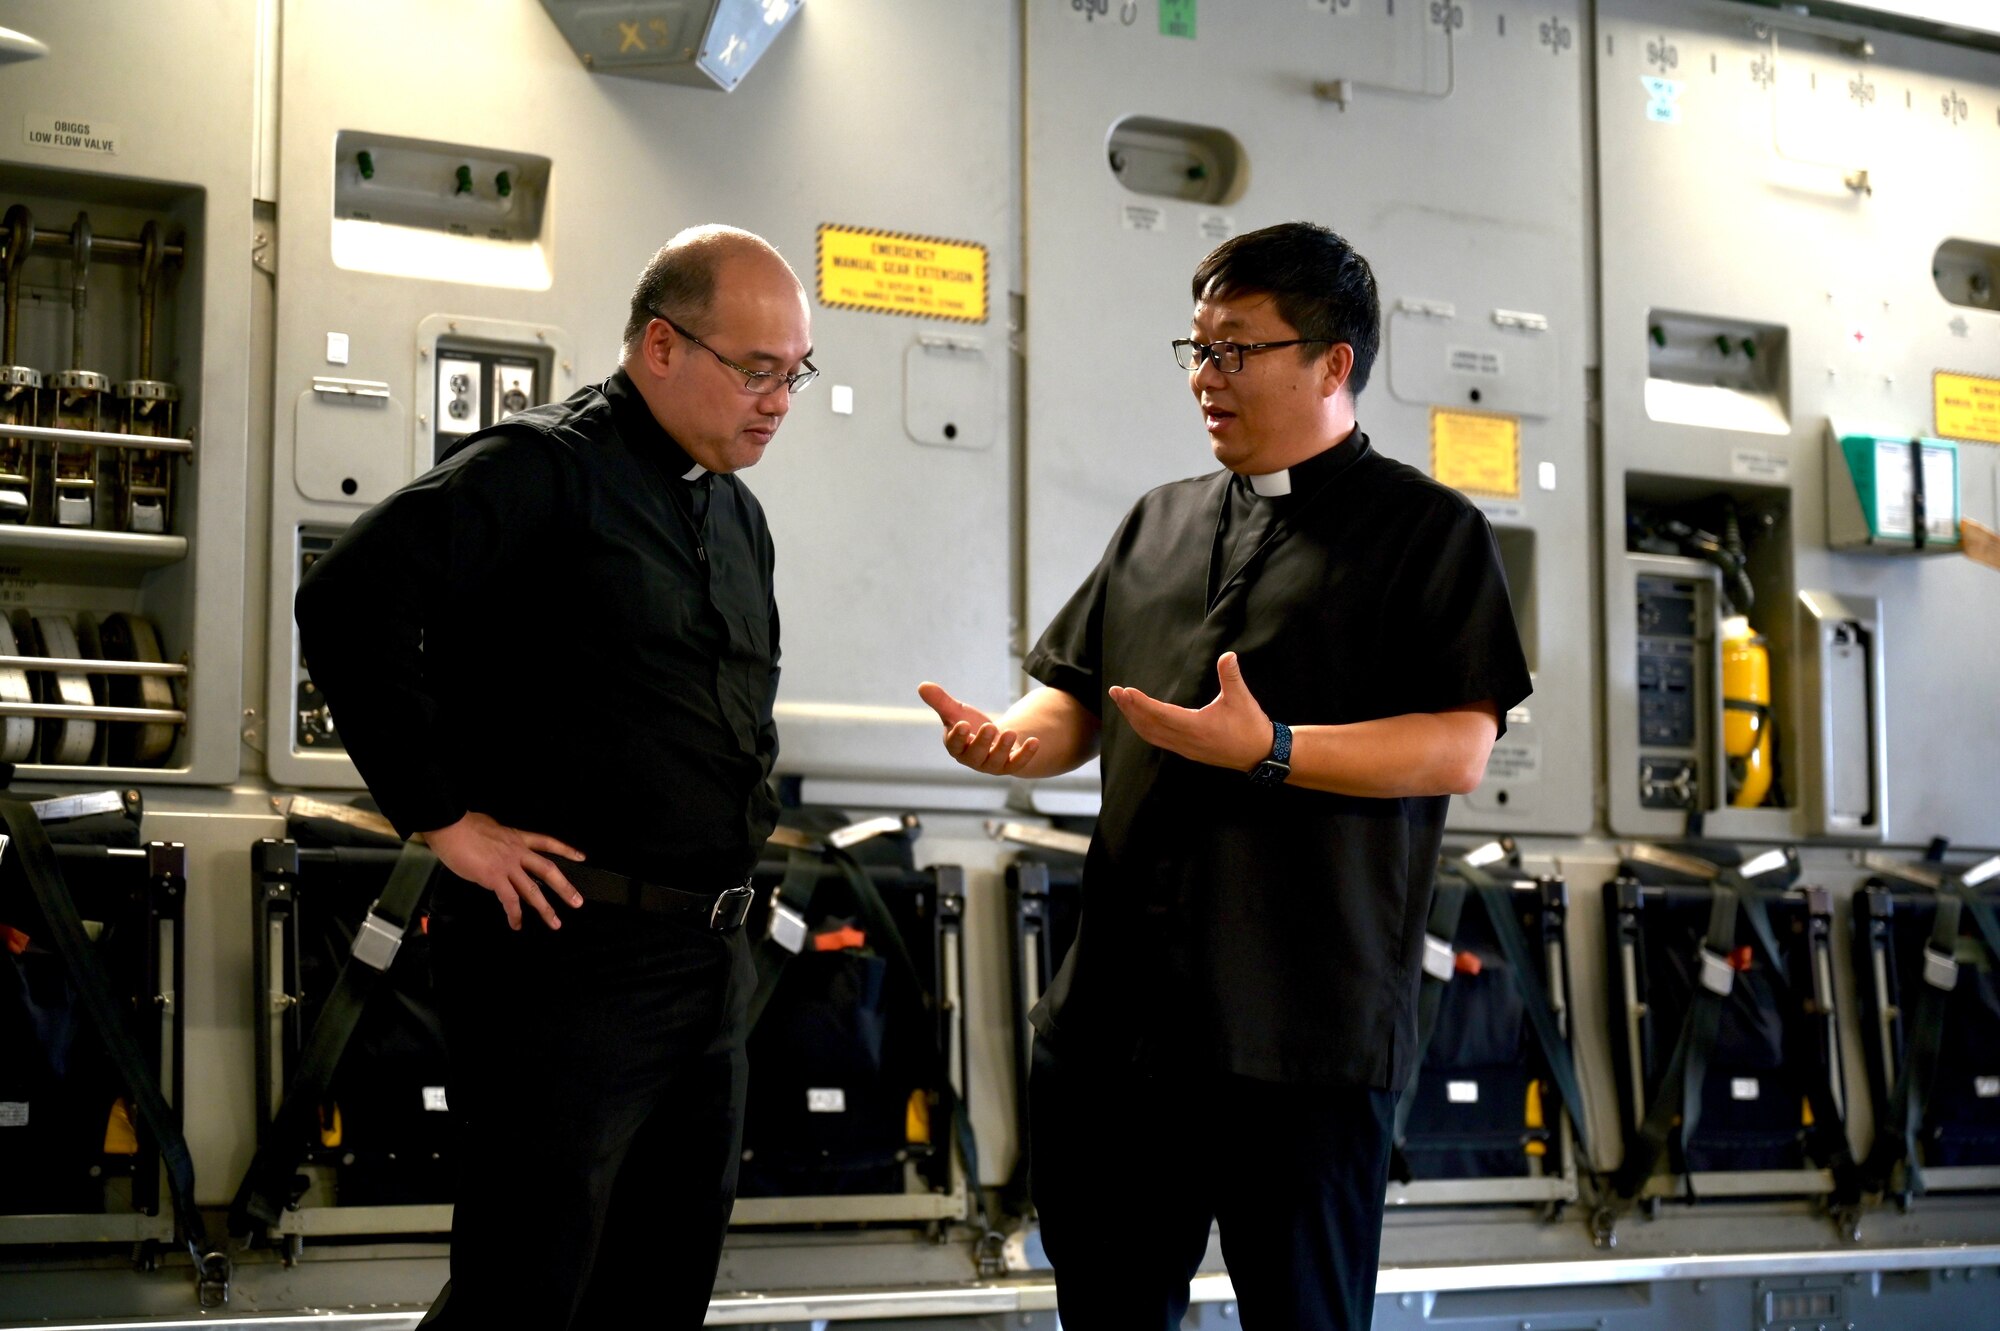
(377, 940)
(1717, 975)
(1940, 970)
(1439, 959)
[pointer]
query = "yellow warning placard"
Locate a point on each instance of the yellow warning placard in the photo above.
(1967, 407)
(1478, 452)
(891, 272)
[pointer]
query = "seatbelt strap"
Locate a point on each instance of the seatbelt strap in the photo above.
(1497, 900)
(1439, 961)
(880, 925)
(1679, 1089)
(785, 930)
(1828, 1123)
(271, 1184)
(1893, 1162)
(802, 873)
(43, 872)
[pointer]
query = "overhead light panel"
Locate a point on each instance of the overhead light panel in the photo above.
(702, 43)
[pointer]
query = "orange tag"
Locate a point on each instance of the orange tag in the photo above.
(833, 940)
(15, 940)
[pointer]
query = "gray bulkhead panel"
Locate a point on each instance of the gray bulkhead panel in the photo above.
(1765, 174)
(188, 169)
(893, 554)
(1455, 164)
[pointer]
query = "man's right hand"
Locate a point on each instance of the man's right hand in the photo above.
(974, 739)
(507, 862)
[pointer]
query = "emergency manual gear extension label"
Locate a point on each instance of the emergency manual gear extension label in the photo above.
(78, 135)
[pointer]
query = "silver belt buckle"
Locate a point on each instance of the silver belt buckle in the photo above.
(731, 907)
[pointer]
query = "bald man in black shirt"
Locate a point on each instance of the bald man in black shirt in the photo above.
(1288, 667)
(555, 656)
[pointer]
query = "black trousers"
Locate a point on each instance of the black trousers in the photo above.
(1129, 1171)
(597, 1083)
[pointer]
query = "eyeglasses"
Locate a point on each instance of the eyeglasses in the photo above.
(1228, 356)
(759, 382)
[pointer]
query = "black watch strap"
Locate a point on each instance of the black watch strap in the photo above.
(1274, 769)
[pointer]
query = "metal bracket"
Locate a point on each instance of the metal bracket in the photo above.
(790, 838)
(1524, 320)
(1640, 852)
(1039, 838)
(888, 824)
(329, 386)
(1769, 862)
(1426, 309)
(1604, 1227)
(212, 1278)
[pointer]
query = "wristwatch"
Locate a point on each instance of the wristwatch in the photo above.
(1274, 769)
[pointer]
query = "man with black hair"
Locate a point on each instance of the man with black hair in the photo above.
(562, 643)
(1288, 666)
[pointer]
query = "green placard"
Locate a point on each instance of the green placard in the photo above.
(1177, 18)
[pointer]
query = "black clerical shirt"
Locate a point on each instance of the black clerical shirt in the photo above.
(556, 627)
(1271, 932)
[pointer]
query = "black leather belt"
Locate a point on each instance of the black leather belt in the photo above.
(713, 911)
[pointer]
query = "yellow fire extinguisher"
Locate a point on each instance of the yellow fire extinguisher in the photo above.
(1746, 711)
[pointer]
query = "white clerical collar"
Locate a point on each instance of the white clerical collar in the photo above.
(1272, 484)
(695, 473)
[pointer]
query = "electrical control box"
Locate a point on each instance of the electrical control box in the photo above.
(1675, 665)
(482, 384)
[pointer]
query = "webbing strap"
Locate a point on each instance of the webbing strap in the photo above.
(1827, 1118)
(1679, 1089)
(43, 872)
(1497, 899)
(879, 924)
(795, 894)
(269, 1185)
(1447, 904)
(1893, 1161)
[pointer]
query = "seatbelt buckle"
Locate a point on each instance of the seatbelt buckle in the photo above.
(1940, 970)
(786, 927)
(1717, 975)
(377, 941)
(731, 908)
(1439, 959)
